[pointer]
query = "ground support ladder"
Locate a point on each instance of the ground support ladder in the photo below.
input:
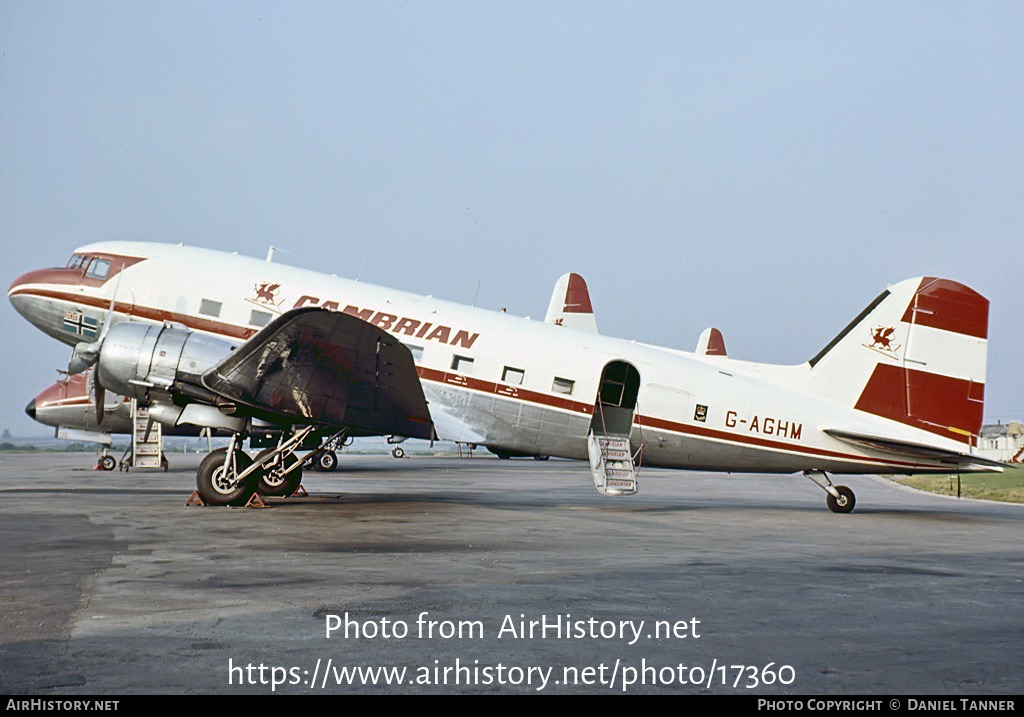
(147, 441)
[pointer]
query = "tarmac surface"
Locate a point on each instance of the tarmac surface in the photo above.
(476, 575)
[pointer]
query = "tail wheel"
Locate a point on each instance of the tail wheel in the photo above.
(107, 463)
(217, 486)
(327, 462)
(843, 504)
(274, 482)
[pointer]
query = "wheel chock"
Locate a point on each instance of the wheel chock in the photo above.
(195, 499)
(256, 502)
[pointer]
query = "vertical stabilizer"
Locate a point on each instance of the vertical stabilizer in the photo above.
(570, 305)
(916, 355)
(711, 343)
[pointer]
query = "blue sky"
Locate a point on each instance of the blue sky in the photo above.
(766, 168)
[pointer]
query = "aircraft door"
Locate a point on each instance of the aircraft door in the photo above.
(611, 455)
(616, 399)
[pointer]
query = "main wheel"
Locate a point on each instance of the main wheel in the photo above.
(217, 487)
(273, 480)
(845, 502)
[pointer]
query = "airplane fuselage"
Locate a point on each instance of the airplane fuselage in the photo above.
(494, 379)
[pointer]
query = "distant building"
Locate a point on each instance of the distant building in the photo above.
(1002, 442)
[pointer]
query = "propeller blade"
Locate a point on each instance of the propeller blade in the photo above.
(101, 395)
(84, 356)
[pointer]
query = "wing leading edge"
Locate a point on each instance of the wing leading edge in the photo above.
(330, 368)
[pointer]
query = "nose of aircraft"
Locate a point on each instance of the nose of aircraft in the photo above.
(16, 285)
(31, 296)
(30, 409)
(19, 294)
(28, 277)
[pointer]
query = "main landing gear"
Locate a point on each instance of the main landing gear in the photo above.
(839, 498)
(227, 476)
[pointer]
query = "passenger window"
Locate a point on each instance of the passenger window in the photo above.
(463, 364)
(258, 318)
(98, 269)
(513, 375)
(563, 385)
(210, 308)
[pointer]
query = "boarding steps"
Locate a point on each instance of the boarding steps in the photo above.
(147, 439)
(611, 464)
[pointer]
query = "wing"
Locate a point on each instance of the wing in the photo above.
(325, 367)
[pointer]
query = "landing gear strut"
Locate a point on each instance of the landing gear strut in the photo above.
(227, 476)
(839, 498)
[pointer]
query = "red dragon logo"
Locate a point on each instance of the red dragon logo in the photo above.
(881, 337)
(267, 293)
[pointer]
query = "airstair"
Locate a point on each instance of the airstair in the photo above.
(611, 464)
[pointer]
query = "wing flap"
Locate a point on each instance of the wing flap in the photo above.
(330, 368)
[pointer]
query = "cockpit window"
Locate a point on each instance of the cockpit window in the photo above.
(98, 269)
(76, 261)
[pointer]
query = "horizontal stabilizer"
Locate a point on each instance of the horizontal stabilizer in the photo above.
(326, 367)
(570, 305)
(964, 461)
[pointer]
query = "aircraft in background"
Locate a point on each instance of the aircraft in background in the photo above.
(255, 348)
(69, 406)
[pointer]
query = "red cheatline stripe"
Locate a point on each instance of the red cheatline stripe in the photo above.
(542, 399)
(514, 392)
(142, 312)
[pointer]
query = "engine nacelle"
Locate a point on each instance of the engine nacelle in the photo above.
(135, 358)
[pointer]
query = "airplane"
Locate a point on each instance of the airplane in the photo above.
(256, 348)
(69, 405)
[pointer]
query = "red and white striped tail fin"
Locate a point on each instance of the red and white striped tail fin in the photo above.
(916, 355)
(570, 305)
(711, 343)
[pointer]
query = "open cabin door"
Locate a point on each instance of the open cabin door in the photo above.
(611, 457)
